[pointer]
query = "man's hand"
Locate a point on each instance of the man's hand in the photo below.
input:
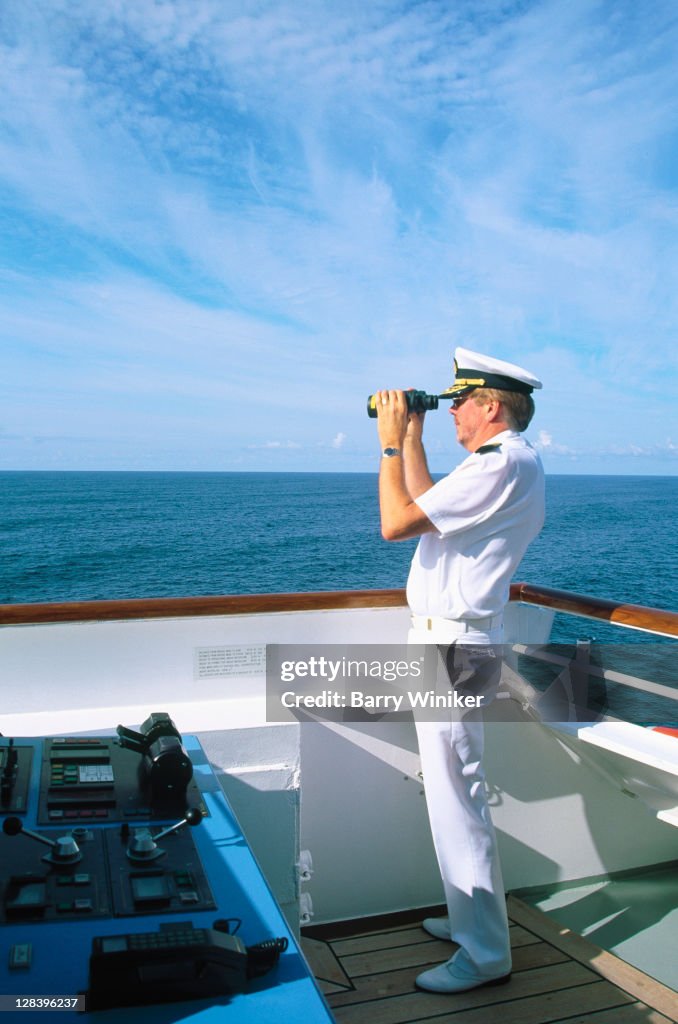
(415, 427)
(392, 418)
(395, 421)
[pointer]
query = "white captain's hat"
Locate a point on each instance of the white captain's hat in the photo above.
(473, 370)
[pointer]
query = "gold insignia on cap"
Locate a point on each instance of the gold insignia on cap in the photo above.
(463, 384)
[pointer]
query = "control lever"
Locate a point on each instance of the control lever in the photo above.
(156, 725)
(64, 850)
(165, 769)
(8, 777)
(144, 847)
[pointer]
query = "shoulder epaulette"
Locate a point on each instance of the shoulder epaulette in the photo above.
(484, 449)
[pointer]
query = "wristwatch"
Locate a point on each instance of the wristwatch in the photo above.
(388, 453)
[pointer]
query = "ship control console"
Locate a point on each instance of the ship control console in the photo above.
(126, 881)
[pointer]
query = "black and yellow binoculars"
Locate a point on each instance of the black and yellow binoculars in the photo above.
(417, 401)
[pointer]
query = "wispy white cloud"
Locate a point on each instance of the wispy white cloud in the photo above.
(659, 452)
(265, 215)
(273, 445)
(546, 444)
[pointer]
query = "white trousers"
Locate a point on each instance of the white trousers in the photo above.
(463, 834)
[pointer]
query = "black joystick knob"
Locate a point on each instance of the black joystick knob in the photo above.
(144, 847)
(63, 850)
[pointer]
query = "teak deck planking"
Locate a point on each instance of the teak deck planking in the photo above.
(368, 978)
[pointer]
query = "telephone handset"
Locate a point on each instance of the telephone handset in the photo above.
(177, 962)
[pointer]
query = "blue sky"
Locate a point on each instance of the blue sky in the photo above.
(224, 223)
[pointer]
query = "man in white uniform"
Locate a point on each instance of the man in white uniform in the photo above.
(475, 526)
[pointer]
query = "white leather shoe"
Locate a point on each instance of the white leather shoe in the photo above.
(438, 927)
(450, 977)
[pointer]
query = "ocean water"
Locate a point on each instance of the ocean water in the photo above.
(86, 536)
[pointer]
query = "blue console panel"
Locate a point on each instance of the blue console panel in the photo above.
(103, 900)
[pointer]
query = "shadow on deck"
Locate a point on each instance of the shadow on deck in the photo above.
(367, 970)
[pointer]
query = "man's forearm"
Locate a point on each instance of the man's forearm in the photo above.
(401, 517)
(417, 476)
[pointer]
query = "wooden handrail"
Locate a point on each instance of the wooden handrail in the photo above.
(634, 616)
(653, 620)
(187, 607)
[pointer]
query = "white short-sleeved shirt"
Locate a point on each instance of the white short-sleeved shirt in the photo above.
(485, 512)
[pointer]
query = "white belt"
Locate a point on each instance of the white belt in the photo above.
(457, 627)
